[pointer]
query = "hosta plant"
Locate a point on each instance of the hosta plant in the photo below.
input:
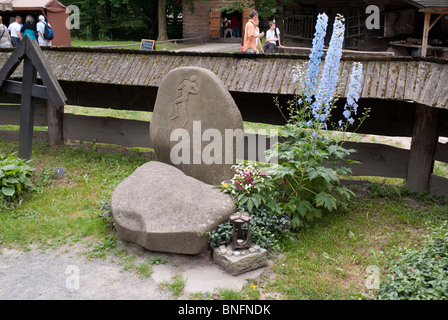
(15, 178)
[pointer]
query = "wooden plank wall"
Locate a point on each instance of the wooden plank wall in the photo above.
(197, 23)
(374, 159)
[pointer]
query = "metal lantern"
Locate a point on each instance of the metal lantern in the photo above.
(239, 240)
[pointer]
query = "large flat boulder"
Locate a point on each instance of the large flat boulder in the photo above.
(162, 209)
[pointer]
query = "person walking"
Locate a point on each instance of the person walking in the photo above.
(29, 28)
(14, 31)
(40, 32)
(5, 38)
(272, 38)
(249, 42)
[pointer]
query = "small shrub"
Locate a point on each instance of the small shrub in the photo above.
(267, 229)
(419, 274)
(15, 178)
(156, 260)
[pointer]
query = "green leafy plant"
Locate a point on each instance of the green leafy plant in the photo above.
(419, 274)
(157, 260)
(267, 229)
(15, 178)
(250, 186)
(306, 177)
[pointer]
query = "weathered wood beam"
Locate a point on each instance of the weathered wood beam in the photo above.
(426, 28)
(424, 141)
(438, 186)
(15, 87)
(55, 92)
(10, 114)
(425, 34)
(27, 110)
(435, 21)
(55, 128)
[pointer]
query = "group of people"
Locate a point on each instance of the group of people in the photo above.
(16, 31)
(252, 36)
(230, 28)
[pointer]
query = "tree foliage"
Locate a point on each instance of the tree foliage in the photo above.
(124, 19)
(266, 8)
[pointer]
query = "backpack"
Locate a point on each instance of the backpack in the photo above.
(48, 32)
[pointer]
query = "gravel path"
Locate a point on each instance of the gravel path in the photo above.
(68, 274)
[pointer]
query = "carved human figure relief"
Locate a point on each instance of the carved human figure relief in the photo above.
(187, 87)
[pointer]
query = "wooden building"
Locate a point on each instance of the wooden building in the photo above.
(54, 11)
(205, 19)
(401, 23)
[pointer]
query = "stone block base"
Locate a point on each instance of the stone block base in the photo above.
(240, 260)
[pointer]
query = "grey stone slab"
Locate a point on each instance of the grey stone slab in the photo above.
(162, 209)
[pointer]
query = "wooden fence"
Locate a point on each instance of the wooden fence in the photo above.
(375, 159)
(407, 97)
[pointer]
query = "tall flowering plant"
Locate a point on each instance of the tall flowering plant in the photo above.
(310, 163)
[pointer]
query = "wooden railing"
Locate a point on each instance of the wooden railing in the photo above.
(299, 27)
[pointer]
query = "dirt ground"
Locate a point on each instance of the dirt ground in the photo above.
(67, 273)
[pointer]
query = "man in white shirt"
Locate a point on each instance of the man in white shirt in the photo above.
(40, 30)
(272, 36)
(14, 31)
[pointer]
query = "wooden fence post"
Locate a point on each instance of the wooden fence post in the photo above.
(55, 129)
(424, 141)
(27, 110)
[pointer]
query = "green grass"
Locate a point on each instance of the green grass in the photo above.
(67, 208)
(327, 259)
(175, 285)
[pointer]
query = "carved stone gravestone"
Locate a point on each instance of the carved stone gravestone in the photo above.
(196, 125)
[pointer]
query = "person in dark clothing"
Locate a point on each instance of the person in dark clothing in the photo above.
(29, 28)
(236, 26)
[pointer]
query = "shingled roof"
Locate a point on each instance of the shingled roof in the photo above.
(423, 81)
(425, 5)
